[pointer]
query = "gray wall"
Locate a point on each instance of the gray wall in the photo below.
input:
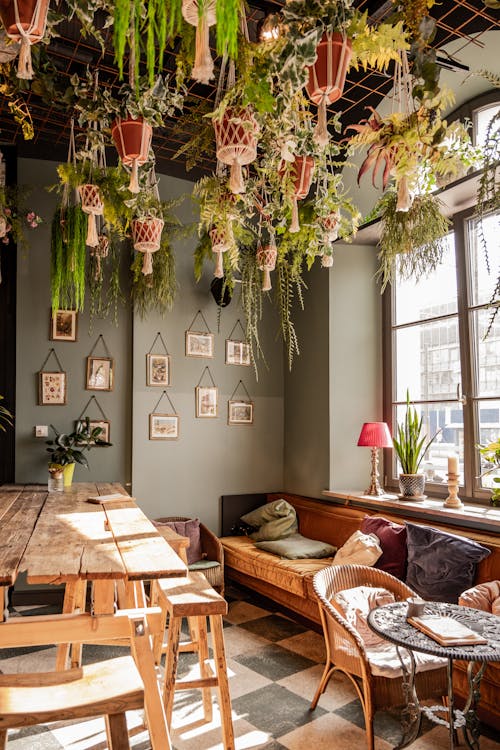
(211, 458)
(307, 392)
(33, 345)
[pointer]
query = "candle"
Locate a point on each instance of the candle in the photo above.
(453, 463)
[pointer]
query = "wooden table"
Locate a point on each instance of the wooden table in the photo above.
(62, 538)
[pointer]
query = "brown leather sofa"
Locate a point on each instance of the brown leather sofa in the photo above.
(289, 582)
(485, 596)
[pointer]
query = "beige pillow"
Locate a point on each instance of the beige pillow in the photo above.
(360, 549)
(355, 604)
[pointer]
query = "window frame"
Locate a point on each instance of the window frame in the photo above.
(470, 491)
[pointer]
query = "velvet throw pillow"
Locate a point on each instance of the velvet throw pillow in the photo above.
(190, 529)
(441, 565)
(298, 547)
(392, 538)
(272, 521)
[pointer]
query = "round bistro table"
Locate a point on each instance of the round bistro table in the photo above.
(389, 621)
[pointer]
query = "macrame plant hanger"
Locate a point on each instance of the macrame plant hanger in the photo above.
(90, 195)
(28, 34)
(147, 229)
(402, 101)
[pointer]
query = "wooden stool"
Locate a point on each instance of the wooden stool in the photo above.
(193, 597)
(108, 688)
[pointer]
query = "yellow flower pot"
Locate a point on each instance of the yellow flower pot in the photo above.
(68, 472)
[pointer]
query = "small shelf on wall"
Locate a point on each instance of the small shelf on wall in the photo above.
(457, 196)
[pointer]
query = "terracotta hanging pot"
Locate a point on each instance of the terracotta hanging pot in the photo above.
(132, 139)
(146, 237)
(327, 77)
(220, 244)
(301, 172)
(92, 205)
(236, 141)
(203, 68)
(25, 22)
(266, 260)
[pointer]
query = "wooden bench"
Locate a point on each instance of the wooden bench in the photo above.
(192, 597)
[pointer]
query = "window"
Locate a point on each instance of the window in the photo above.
(440, 353)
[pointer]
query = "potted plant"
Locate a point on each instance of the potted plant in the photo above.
(5, 416)
(411, 445)
(67, 449)
(491, 454)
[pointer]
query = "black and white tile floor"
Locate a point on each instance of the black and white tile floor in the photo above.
(274, 667)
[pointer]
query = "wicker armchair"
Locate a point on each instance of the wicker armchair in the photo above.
(346, 652)
(213, 553)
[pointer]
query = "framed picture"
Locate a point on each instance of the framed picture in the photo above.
(105, 426)
(157, 369)
(163, 426)
(206, 401)
(240, 412)
(199, 344)
(99, 374)
(51, 388)
(237, 353)
(63, 325)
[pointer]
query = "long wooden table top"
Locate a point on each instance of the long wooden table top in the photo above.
(61, 537)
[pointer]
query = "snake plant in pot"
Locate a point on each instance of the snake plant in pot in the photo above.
(411, 444)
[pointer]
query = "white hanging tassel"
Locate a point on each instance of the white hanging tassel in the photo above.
(236, 183)
(219, 266)
(24, 66)
(266, 280)
(321, 135)
(134, 178)
(147, 264)
(203, 69)
(295, 226)
(404, 197)
(92, 236)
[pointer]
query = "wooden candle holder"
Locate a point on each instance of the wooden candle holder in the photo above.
(453, 501)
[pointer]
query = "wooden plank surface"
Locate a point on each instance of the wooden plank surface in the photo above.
(18, 516)
(71, 541)
(144, 551)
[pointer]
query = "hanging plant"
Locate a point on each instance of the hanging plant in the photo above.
(411, 242)
(236, 141)
(103, 279)
(68, 258)
(157, 290)
(24, 21)
(201, 14)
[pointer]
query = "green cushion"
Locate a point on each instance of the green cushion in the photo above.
(274, 520)
(296, 546)
(203, 564)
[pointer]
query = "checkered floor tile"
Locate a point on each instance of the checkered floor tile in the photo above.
(274, 666)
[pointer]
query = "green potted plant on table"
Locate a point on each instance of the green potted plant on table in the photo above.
(67, 449)
(411, 445)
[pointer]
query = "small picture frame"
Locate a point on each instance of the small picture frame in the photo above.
(99, 374)
(51, 388)
(199, 344)
(240, 412)
(206, 401)
(63, 325)
(237, 353)
(163, 426)
(105, 426)
(157, 369)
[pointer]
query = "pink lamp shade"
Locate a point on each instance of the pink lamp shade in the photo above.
(375, 435)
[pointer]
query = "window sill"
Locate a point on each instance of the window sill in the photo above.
(485, 518)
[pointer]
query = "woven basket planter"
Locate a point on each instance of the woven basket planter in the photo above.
(220, 244)
(327, 77)
(24, 21)
(266, 260)
(92, 205)
(146, 237)
(132, 139)
(236, 141)
(203, 68)
(301, 172)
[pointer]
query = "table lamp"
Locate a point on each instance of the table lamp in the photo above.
(375, 435)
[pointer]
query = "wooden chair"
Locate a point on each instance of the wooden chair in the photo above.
(212, 550)
(346, 652)
(192, 597)
(108, 688)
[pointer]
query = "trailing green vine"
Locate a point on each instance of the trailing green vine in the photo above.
(156, 291)
(68, 258)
